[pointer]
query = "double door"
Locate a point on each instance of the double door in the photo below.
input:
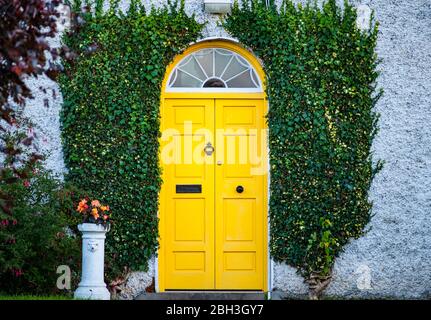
(213, 199)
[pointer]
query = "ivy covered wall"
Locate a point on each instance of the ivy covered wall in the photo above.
(110, 115)
(321, 74)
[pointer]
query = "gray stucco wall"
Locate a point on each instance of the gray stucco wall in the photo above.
(394, 258)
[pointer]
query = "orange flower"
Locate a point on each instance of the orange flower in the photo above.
(95, 203)
(82, 206)
(104, 208)
(95, 213)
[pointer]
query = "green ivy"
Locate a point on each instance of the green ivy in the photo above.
(110, 114)
(321, 73)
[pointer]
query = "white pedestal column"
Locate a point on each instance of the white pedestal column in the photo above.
(92, 285)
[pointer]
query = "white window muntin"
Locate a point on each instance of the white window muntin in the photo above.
(220, 66)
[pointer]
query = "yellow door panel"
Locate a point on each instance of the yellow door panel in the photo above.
(239, 197)
(188, 234)
(189, 212)
(243, 115)
(239, 219)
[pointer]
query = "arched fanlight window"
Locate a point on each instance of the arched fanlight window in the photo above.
(214, 69)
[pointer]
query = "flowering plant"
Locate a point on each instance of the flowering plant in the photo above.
(94, 212)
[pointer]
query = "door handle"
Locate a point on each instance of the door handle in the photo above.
(240, 189)
(209, 149)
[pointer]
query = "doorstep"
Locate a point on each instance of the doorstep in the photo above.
(201, 295)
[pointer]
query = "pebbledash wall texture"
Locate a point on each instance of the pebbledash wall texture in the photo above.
(394, 258)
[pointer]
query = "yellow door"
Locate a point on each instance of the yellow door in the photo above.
(239, 204)
(188, 237)
(213, 204)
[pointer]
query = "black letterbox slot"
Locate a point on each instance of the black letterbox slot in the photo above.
(188, 188)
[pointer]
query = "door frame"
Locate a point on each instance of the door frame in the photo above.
(256, 64)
